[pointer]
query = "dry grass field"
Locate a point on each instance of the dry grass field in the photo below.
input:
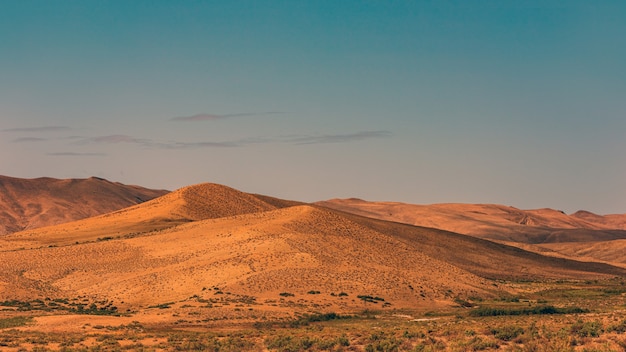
(210, 268)
(542, 316)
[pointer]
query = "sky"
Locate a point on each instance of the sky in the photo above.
(520, 103)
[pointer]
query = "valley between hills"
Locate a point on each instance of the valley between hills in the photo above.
(208, 267)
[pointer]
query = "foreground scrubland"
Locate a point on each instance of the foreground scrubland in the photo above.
(540, 316)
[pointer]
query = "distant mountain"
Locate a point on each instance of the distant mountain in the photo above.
(213, 238)
(539, 230)
(492, 221)
(32, 203)
(613, 221)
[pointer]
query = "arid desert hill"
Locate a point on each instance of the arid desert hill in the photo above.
(542, 230)
(492, 221)
(188, 204)
(32, 203)
(209, 236)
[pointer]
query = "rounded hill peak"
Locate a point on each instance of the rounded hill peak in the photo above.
(210, 200)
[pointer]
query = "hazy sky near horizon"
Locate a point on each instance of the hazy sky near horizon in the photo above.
(520, 103)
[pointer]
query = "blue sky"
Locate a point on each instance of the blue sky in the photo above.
(510, 102)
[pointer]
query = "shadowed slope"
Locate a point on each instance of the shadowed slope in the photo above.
(486, 258)
(613, 252)
(32, 203)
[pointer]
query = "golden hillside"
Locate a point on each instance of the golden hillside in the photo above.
(198, 202)
(211, 237)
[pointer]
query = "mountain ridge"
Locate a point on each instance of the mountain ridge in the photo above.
(491, 221)
(544, 231)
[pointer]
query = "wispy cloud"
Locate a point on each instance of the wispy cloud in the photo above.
(191, 145)
(38, 129)
(116, 138)
(338, 138)
(295, 140)
(29, 140)
(75, 154)
(211, 117)
(122, 138)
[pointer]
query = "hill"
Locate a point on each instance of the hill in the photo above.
(492, 221)
(539, 230)
(188, 204)
(33, 203)
(192, 243)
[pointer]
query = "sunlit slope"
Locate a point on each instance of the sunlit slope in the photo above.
(613, 221)
(32, 203)
(294, 250)
(262, 251)
(192, 203)
(490, 221)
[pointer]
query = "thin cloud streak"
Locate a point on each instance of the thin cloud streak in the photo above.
(338, 138)
(38, 129)
(212, 117)
(191, 145)
(294, 140)
(29, 140)
(117, 138)
(121, 138)
(75, 154)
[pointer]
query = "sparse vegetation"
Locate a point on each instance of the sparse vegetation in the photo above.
(163, 305)
(539, 310)
(75, 306)
(371, 299)
(14, 322)
(452, 331)
(507, 332)
(586, 328)
(106, 238)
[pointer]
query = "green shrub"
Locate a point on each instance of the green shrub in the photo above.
(343, 340)
(384, 344)
(163, 305)
(479, 344)
(371, 299)
(618, 328)
(14, 322)
(463, 303)
(539, 310)
(507, 333)
(289, 343)
(311, 318)
(586, 329)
